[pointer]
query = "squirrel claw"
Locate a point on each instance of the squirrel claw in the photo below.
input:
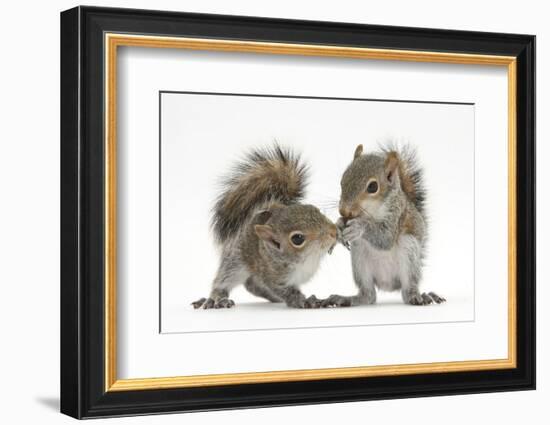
(344, 242)
(198, 303)
(437, 299)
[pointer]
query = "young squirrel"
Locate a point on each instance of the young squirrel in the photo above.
(269, 241)
(383, 223)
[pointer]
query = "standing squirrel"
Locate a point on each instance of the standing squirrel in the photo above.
(269, 241)
(383, 223)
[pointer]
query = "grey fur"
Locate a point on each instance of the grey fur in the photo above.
(256, 287)
(254, 221)
(386, 231)
(411, 167)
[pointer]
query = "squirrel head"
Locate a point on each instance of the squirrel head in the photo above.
(295, 232)
(367, 182)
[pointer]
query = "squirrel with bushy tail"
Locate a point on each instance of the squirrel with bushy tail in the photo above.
(269, 241)
(383, 223)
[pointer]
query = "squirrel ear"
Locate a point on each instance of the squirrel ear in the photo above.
(358, 151)
(262, 217)
(391, 165)
(265, 232)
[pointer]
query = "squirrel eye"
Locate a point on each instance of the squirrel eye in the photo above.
(372, 187)
(297, 239)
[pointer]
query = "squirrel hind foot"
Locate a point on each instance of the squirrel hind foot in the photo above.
(426, 299)
(437, 299)
(208, 303)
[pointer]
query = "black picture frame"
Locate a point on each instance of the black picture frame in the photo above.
(83, 392)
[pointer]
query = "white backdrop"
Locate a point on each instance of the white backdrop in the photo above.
(195, 154)
(144, 72)
(29, 173)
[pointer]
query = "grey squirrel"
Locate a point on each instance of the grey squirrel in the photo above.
(269, 241)
(383, 223)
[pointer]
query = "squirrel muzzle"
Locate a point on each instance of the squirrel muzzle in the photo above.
(348, 212)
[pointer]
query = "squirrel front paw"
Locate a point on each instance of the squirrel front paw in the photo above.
(208, 303)
(354, 230)
(313, 302)
(340, 226)
(296, 302)
(336, 301)
(300, 301)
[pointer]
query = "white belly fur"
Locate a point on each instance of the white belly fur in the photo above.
(304, 271)
(388, 268)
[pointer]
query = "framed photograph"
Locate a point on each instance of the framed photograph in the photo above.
(261, 212)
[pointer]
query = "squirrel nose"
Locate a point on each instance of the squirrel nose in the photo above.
(345, 211)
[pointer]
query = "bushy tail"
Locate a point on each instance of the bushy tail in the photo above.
(264, 176)
(410, 174)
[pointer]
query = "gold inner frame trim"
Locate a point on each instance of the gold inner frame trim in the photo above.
(113, 41)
